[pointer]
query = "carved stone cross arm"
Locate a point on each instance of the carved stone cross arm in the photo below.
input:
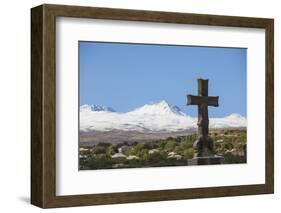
(199, 100)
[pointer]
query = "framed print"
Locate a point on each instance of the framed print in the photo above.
(136, 106)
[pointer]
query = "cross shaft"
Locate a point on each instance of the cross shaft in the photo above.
(204, 145)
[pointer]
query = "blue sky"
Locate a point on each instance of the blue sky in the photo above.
(127, 76)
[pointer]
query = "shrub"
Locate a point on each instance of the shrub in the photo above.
(188, 153)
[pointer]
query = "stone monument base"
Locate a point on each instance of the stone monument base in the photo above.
(211, 160)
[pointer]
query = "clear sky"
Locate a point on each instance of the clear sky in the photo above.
(127, 76)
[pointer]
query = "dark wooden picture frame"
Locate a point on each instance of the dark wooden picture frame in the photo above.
(43, 105)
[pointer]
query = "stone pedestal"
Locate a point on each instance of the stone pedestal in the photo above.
(205, 160)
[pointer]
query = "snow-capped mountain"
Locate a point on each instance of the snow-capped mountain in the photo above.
(233, 120)
(95, 108)
(158, 117)
(161, 108)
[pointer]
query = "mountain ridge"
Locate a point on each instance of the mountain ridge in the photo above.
(96, 108)
(162, 107)
(155, 117)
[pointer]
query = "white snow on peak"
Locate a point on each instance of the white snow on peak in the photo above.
(230, 121)
(160, 116)
(235, 116)
(95, 108)
(160, 108)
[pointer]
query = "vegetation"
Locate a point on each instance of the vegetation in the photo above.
(172, 151)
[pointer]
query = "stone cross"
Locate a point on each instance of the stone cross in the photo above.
(203, 146)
